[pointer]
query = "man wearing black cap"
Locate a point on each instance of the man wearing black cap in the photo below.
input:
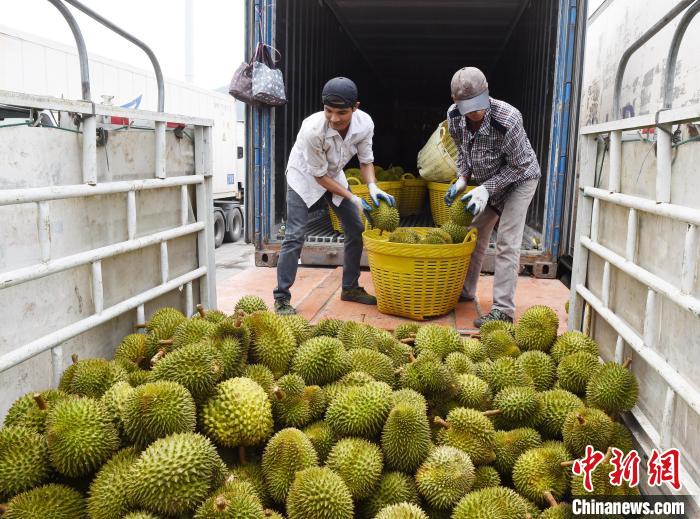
(326, 142)
(495, 153)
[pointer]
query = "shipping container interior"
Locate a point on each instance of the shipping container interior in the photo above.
(402, 54)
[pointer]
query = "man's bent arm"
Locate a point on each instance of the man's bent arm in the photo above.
(367, 172)
(334, 187)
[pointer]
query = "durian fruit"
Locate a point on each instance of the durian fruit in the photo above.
(491, 502)
(409, 396)
(232, 353)
(621, 438)
(506, 372)
(573, 342)
(436, 237)
(600, 480)
(353, 172)
(555, 405)
(441, 340)
(198, 367)
(352, 379)
(191, 331)
(376, 364)
(474, 349)
(393, 488)
(539, 367)
(401, 511)
(132, 349)
(175, 474)
(92, 377)
(500, 343)
(537, 328)
(359, 462)
(470, 431)
(239, 414)
(459, 363)
(140, 515)
(321, 360)
(492, 326)
(388, 345)
(81, 436)
(109, 490)
(360, 411)
(234, 328)
(486, 476)
(273, 342)
(322, 438)
(161, 327)
(483, 371)
(473, 392)
(300, 327)
(515, 406)
(406, 330)
(213, 316)
(114, 400)
(458, 213)
(290, 408)
(384, 217)
(249, 304)
(587, 426)
(404, 235)
(157, 409)
(561, 511)
(234, 500)
(327, 327)
(51, 501)
(356, 335)
(138, 377)
(287, 452)
(539, 471)
(319, 492)
(457, 232)
(23, 460)
(30, 410)
(262, 375)
(445, 477)
(509, 445)
(406, 437)
(250, 472)
(575, 370)
(428, 375)
(613, 388)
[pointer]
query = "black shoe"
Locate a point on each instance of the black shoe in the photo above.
(282, 307)
(357, 295)
(493, 315)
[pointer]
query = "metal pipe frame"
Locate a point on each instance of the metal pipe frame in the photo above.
(82, 49)
(678, 35)
(121, 32)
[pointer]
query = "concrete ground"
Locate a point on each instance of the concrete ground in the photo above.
(233, 258)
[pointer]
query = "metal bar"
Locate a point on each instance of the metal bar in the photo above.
(690, 259)
(164, 265)
(141, 315)
(189, 305)
(622, 65)
(89, 159)
(97, 288)
(645, 277)
(160, 160)
(205, 239)
(39, 194)
(131, 214)
(651, 319)
(82, 49)
(47, 342)
(663, 163)
(679, 384)
(606, 284)
(619, 350)
(595, 220)
(56, 365)
(676, 116)
(154, 61)
(670, 72)
(666, 429)
(44, 230)
(615, 161)
(32, 272)
(673, 211)
(202, 242)
(184, 205)
(631, 243)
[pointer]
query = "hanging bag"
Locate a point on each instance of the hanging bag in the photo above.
(241, 86)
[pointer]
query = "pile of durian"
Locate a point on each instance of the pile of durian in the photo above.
(256, 416)
(391, 174)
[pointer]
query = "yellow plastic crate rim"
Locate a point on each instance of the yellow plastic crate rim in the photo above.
(417, 281)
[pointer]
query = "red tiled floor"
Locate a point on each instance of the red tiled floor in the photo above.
(316, 294)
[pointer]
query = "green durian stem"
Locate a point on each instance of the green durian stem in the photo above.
(550, 498)
(241, 455)
(279, 394)
(138, 326)
(580, 419)
(3, 509)
(221, 503)
(627, 362)
(409, 340)
(398, 371)
(411, 357)
(166, 342)
(239, 318)
(442, 423)
(157, 356)
(40, 401)
(492, 412)
(565, 464)
(608, 455)
(201, 311)
(74, 358)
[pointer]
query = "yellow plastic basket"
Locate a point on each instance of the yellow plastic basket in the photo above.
(437, 160)
(393, 188)
(412, 195)
(417, 281)
(438, 208)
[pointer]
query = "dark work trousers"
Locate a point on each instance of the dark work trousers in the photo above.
(297, 219)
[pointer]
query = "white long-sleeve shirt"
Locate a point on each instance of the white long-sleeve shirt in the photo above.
(320, 150)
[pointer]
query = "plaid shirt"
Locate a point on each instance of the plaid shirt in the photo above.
(499, 155)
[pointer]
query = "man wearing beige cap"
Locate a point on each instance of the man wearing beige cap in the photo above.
(495, 153)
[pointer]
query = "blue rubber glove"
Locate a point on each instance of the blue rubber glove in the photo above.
(476, 200)
(454, 190)
(377, 194)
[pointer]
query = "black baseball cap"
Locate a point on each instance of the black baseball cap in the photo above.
(339, 92)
